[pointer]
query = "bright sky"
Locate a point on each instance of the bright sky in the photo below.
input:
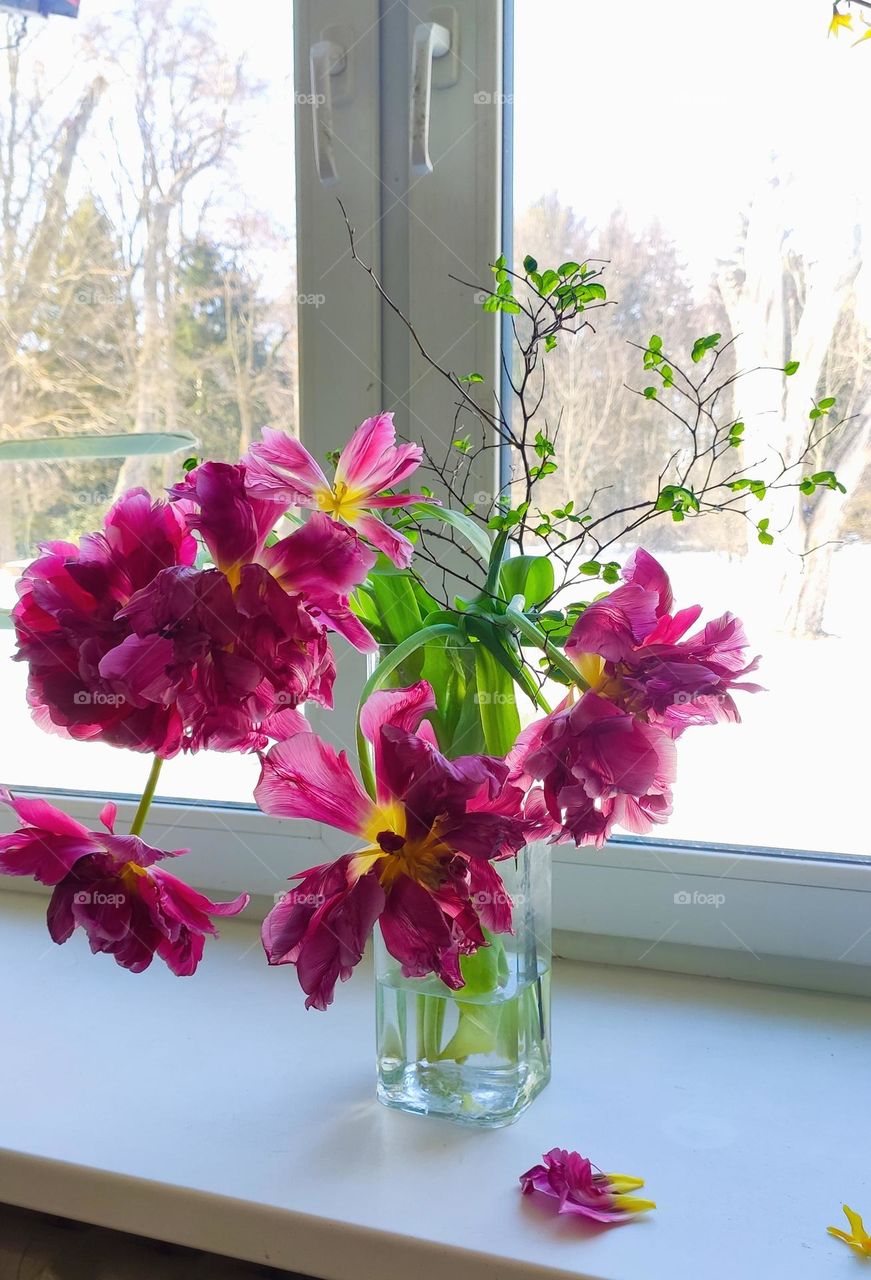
(678, 109)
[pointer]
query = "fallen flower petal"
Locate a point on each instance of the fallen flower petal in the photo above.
(582, 1189)
(858, 1238)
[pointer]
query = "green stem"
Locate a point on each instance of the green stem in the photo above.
(147, 797)
(386, 667)
(514, 613)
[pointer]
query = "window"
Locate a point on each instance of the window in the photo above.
(715, 214)
(638, 156)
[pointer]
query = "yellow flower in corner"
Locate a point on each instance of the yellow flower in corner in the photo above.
(839, 22)
(858, 1238)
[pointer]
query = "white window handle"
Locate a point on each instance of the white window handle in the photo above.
(326, 59)
(431, 40)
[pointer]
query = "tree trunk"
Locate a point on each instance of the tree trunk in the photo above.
(151, 370)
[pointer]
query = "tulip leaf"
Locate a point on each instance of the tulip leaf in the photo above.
(471, 531)
(529, 576)
(497, 706)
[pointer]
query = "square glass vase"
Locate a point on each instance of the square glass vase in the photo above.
(481, 1054)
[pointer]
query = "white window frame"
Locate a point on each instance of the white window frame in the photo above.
(764, 915)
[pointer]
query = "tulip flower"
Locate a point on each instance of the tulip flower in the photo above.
(428, 838)
(599, 767)
(109, 886)
(67, 622)
(631, 649)
(235, 649)
(371, 462)
(583, 1190)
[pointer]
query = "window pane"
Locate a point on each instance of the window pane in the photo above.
(147, 282)
(732, 206)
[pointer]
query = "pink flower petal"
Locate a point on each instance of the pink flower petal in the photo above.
(394, 545)
(613, 626)
(403, 709)
(280, 465)
(644, 571)
(370, 461)
(306, 778)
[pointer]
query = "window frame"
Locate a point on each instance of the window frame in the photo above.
(782, 909)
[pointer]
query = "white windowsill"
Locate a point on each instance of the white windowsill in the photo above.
(214, 1112)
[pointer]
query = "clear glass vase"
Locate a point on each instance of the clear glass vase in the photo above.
(481, 1054)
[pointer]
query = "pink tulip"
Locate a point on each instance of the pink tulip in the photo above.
(280, 467)
(109, 886)
(424, 870)
(631, 649)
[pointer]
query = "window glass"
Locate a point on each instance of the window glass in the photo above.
(146, 284)
(689, 147)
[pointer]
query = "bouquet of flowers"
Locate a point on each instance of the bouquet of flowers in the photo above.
(533, 682)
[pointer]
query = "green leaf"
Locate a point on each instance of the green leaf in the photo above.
(549, 282)
(791, 368)
(650, 393)
(568, 268)
(529, 576)
(497, 705)
(472, 377)
(470, 529)
(591, 568)
(529, 264)
(762, 533)
(828, 403)
(397, 606)
(464, 444)
(550, 342)
(655, 343)
(702, 346)
(807, 486)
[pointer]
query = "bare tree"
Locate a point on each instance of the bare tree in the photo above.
(804, 302)
(187, 104)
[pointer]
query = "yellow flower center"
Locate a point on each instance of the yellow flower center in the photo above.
(394, 856)
(340, 502)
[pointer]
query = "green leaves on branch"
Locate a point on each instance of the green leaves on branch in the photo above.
(702, 346)
(791, 368)
(502, 298)
(821, 409)
(570, 287)
(655, 360)
(736, 434)
(677, 499)
(757, 488)
(822, 480)
(762, 532)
